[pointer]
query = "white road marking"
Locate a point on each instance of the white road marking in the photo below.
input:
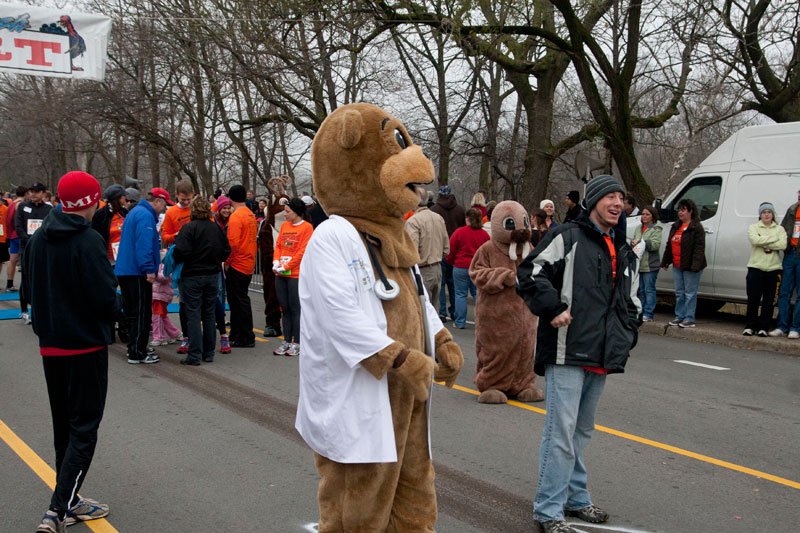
(712, 367)
(583, 527)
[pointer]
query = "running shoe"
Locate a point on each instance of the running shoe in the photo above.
(224, 345)
(158, 343)
(51, 524)
(26, 318)
(147, 360)
(294, 349)
(12, 289)
(184, 347)
(86, 510)
(282, 349)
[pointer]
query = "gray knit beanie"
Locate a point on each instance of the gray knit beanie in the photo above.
(599, 187)
(132, 195)
(763, 207)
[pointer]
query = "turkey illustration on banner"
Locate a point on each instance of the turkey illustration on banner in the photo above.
(53, 42)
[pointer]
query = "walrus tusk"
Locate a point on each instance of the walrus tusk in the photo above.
(526, 249)
(512, 251)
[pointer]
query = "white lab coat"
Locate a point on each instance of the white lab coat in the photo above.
(343, 412)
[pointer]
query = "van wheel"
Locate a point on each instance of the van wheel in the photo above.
(705, 305)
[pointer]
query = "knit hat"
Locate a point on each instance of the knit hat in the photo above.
(132, 194)
(222, 201)
(78, 190)
(545, 202)
(237, 194)
(599, 187)
(764, 206)
(114, 191)
(574, 196)
(158, 192)
(218, 193)
(444, 190)
(297, 205)
(307, 200)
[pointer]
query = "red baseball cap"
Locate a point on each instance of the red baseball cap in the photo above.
(158, 192)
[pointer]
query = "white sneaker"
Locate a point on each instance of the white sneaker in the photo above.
(646, 319)
(762, 333)
(794, 334)
(747, 332)
(777, 333)
(26, 318)
(282, 349)
(157, 343)
(294, 349)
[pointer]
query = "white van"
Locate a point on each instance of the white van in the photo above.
(756, 164)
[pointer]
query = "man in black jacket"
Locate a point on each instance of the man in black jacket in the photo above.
(454, 217)
(581, 281)
(28, 219)
(70, 284)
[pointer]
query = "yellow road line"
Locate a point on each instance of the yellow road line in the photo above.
(660, 445)
(43, 470)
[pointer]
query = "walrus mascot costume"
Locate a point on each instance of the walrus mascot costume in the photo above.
(505, 330)
(371, 341)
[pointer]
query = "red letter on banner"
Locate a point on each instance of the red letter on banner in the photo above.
(37, 50)
(6, 56)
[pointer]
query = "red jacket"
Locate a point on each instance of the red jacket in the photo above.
(464, 242)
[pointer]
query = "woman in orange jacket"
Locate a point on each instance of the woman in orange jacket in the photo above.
(289, 249)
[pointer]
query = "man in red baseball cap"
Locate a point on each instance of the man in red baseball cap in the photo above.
(72, 291)
(136, 267)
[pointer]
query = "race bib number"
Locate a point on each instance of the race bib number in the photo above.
(796, 232)
(2, 231)
(33, 225)
(115, 249)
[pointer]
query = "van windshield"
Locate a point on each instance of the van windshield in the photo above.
(704, 191)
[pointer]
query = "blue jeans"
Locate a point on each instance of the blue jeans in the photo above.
(447, 282)
(463, 285)
(572, 397)
(789, 279)
(647, 292)
(686, 283)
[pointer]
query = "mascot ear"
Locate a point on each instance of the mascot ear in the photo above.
(350, 127)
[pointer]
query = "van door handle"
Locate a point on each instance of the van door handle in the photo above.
(709, 231)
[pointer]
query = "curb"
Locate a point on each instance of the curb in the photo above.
(710, 333)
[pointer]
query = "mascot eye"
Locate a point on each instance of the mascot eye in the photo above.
(401, 139)
(509, 224)
(525, 222)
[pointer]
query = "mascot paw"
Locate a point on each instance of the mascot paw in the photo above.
(417, 370)
(492, 396)
(530, 395)
(450, 358)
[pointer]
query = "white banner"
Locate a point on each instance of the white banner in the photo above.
(51, 42)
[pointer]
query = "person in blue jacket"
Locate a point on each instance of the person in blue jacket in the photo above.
(136, 267)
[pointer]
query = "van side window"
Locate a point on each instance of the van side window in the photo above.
(704, 191)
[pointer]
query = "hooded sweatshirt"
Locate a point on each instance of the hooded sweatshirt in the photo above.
(71, 286)
(453, 214)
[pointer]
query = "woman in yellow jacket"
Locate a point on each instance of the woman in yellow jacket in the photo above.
(767, 238)
(289, 249)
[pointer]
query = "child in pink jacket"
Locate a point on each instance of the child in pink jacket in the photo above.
(164, 331)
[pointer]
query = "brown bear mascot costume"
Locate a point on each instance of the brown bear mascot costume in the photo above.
(505, 331)
(368, 333)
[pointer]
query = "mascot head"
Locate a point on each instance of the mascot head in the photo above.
(511, 229)
(365, 165)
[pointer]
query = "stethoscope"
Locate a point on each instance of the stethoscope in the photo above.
(388, 289)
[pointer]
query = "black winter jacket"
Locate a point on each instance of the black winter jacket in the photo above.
(101, 221)
(70, 284)
(693, 247)
(202, 247)
(28, 212)
(571, 269)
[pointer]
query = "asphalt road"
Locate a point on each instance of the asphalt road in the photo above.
(680, 447)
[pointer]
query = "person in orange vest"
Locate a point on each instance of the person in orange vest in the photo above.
(175, 218)
(239, 268)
